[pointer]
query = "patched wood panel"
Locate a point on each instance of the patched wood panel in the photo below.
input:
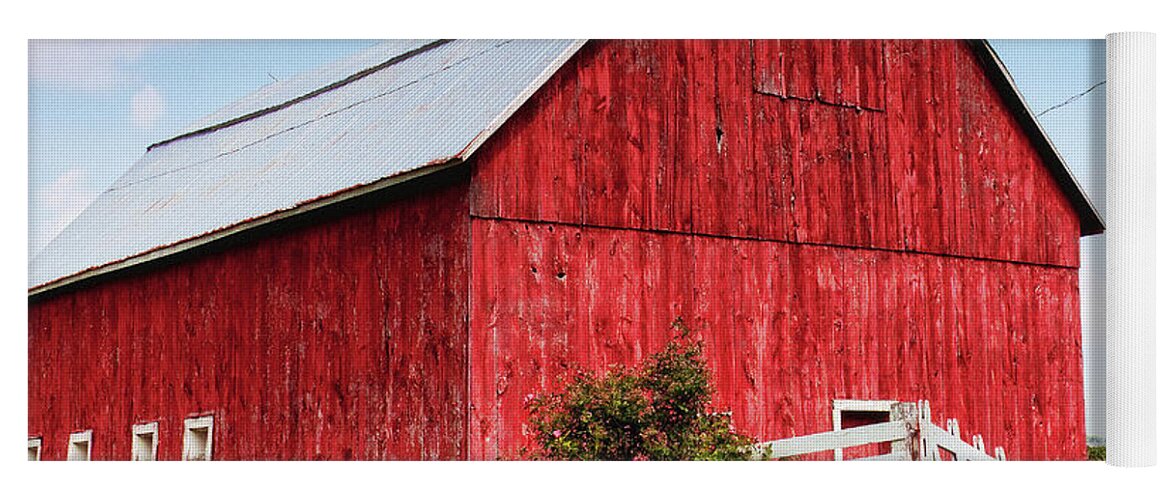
(846, 73)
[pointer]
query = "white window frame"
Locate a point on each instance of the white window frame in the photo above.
(191, 425)
(858, 405)
(34, 443)
(136, 451)
(86, 437)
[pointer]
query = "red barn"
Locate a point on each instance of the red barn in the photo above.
(380, 259)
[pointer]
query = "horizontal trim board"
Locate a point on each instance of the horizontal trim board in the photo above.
(771, 240)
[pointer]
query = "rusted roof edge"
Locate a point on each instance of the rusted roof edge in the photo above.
(1090, 220)
(277, 107)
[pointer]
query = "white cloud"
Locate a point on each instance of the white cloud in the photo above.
(54, 206)
(92, 65)
(146, 107)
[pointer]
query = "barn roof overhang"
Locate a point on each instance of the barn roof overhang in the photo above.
(1090, 220)
(401, 93)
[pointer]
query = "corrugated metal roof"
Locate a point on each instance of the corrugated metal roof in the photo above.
(389, 112)
(310, 81)
(392, 109)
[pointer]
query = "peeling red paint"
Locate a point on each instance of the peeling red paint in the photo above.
(672, 135)
(788, 329)
(896, 238)
(345, 339)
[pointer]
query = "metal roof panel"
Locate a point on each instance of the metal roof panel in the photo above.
(433, 107)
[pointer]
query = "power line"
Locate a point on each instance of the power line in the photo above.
(1072, 99)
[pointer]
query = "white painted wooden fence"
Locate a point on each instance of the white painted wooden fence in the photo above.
(910, 432)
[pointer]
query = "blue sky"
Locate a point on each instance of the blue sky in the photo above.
(94, 107)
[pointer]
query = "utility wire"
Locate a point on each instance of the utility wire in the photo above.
(1072, 99)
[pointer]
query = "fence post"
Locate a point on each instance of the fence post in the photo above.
(908, 414)
(928, 448)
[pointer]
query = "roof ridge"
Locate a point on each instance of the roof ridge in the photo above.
(309, 95)
(123, 185)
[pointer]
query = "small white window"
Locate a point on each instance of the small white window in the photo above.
(79, 446)
(197, 438)
(145, 444)
(34, 449)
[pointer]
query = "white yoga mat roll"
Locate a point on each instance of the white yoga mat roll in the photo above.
(1130, 249)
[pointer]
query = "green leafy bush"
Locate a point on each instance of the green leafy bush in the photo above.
(1096, 453)
(658, 410)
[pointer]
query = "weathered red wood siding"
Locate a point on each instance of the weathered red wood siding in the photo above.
(343, 339)
(684, 136)
(857, 219)
(788, 328)
(861, 220)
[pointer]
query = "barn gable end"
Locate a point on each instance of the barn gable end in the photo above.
(873, 229)
(917, 151)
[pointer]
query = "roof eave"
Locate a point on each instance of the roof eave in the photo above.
(1090, 221)
(241, 227)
